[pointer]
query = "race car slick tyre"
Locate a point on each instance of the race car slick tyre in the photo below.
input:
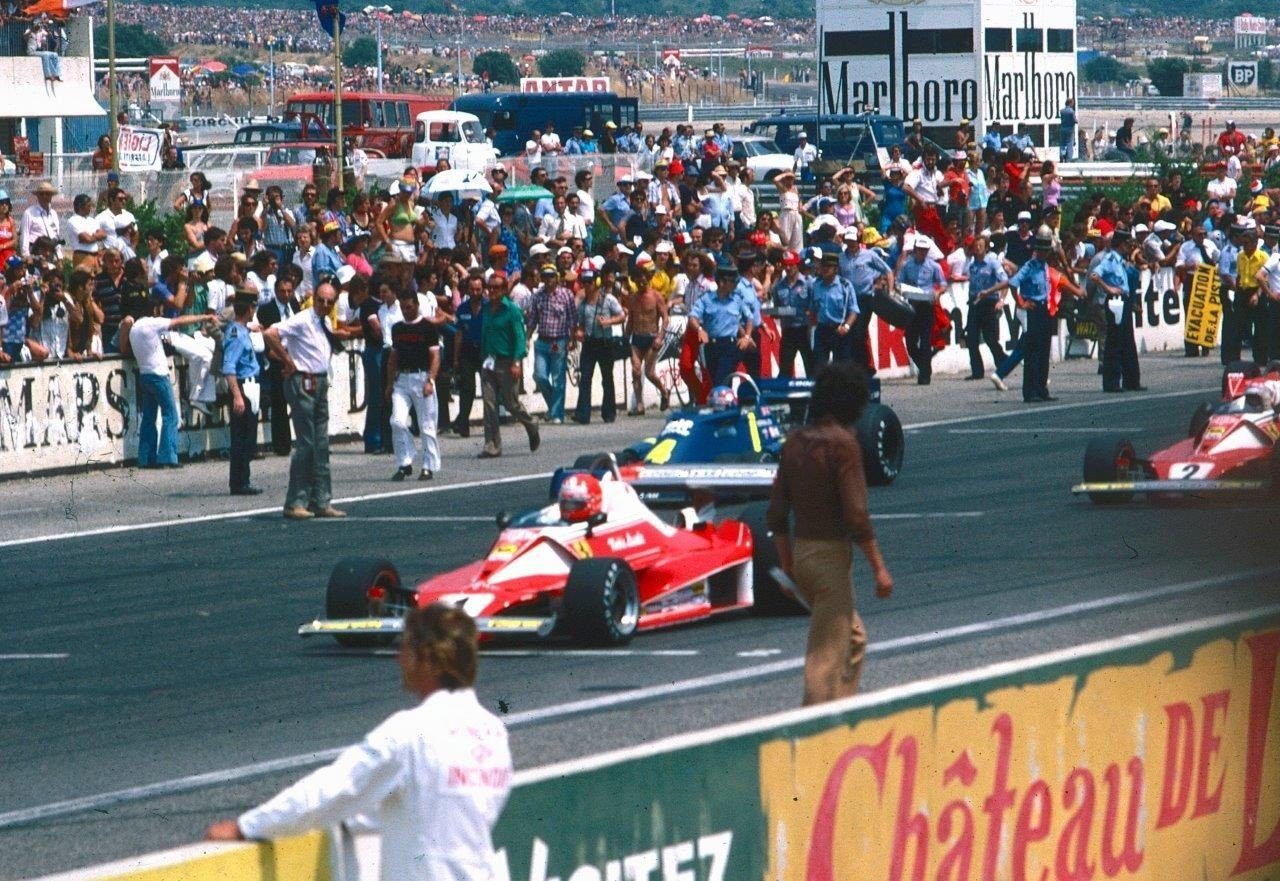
(1274, 472)
(1105, 461)
(882, 441)
(1248, 368)
(601, 602)
(1200, 420)
(348, 594)
(770, 599)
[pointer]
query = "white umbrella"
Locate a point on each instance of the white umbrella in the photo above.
(454, 179)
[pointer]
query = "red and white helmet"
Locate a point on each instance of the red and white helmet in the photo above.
(723, 398)
(581, 498)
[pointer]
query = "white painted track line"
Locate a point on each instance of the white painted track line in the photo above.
(498, 481)
(605, 702)
(275, 510)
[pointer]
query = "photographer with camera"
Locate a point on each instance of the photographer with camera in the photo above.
(22, 301)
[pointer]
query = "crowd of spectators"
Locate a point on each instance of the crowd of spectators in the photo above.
(605, 278)
(293, 30)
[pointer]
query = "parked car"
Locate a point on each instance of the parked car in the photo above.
(762, 156)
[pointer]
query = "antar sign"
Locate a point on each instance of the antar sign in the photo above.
(1011, 63)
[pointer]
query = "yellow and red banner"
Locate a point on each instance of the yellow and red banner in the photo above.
(1165, 770)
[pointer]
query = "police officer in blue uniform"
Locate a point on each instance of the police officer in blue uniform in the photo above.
(863, 267)
(1031, 284)
(1120, 370)
(723, 324)
(240, 367)
(791, 292)
(835, 305)
(746, 292)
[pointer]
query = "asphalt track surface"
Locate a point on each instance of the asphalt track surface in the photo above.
(137, 657)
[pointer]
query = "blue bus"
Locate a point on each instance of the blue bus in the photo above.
(515, 115)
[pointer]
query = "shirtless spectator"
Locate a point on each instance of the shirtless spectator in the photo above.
(645, 328)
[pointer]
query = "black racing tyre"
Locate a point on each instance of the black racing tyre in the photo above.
(1200, 420)
(1107, 460)
(601, 602)
(634, 454)
(883, 443)
(348, 595)
(1248, 368)
(1273, 467)
(770, 599)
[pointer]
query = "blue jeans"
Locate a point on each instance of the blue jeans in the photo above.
(375, 364)
(155, 395)
(549, 364)
(51, 63)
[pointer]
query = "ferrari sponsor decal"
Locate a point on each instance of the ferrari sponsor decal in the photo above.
(504, 551)
(1137, 770)
(626, 542)
(581, 547)
(1271, 429)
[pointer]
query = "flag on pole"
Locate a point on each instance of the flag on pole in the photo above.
(326, 10)
(57, 8)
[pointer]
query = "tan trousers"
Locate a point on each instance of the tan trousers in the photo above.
(837, 638)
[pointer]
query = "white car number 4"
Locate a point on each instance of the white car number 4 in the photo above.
(1189, 470)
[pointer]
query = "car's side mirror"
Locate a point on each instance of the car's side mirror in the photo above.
(503, 519)
(595, 520)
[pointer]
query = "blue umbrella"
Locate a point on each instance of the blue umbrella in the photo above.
(244, 69)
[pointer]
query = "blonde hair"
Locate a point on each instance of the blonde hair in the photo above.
(445, 637)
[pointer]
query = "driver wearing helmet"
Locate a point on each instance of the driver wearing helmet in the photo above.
(581, 498)
(723, 398)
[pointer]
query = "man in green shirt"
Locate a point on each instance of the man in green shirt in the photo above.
(502, 348)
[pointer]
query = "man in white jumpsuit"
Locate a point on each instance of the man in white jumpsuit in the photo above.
(432, 779)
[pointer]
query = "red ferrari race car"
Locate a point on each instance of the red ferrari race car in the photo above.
(1230, 447)
(596, 566)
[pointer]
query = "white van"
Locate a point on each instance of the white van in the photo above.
(457, 137)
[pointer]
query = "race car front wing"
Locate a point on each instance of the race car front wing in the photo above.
(1169, 486)
(506, 625)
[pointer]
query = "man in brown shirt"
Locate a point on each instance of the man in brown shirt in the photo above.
(821, 482)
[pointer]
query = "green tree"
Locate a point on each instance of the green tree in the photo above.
(1166, 75)
(132, 41)
(562, 62)
(1106, 69)
(498, 65)
(360, 52)
(1266, 75)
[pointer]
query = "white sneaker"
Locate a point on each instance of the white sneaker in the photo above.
(998, 383)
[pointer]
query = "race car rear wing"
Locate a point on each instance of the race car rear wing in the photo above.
(703, 484)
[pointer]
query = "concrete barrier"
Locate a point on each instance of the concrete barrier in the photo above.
(59, 417)
(303, 858)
